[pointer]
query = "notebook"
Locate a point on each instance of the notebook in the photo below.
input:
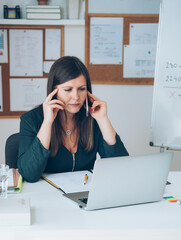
(123, 181)
(15, 181)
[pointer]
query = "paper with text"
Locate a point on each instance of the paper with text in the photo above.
(3, 46)
(106, 40)
(26, 52)
(139, 61)
(71, 181)
(52, 44)
(26, 93)
(143, 33)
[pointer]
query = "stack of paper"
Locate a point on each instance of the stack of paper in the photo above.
(15, 212)
(43, 12)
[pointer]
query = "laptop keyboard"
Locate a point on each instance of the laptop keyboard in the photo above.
(84, 200)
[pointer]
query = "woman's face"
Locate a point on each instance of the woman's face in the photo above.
(73, 94)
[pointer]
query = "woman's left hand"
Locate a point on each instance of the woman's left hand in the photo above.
(99, 112)
(99, 108)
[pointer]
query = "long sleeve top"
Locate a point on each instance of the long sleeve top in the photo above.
(34, 159)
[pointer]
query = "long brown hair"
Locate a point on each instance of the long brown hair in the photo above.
(63, 70)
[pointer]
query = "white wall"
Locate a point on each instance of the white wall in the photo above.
(124, 6)
(129, 107)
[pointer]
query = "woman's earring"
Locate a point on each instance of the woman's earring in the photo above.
(87, 107)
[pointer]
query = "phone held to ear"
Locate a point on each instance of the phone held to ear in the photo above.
(87, 107)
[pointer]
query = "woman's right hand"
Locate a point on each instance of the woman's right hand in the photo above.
(51, 107)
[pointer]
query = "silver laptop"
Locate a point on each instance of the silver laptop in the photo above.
(123, 181)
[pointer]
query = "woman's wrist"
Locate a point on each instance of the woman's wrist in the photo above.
(107, 130)
(44, 134)
(103, 120)
(47, 123)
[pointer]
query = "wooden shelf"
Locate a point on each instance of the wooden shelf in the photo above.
(65, 22)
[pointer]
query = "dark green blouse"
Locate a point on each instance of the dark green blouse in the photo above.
(34, 159)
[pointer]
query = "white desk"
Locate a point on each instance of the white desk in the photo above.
(55, 218)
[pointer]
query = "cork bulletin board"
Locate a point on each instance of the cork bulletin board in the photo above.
(113, 73)
(7, 74)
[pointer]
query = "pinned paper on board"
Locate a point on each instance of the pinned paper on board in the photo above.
(1, 92)
(26, 52)
(52, 44)
(140, 54)
(47, 65)
(27, 93)
(139, 61)
(106, 40)
(3, 46)
(143, 33)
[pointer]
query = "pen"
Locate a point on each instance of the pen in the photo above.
(85, 178)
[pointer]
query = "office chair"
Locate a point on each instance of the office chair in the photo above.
(11, 150)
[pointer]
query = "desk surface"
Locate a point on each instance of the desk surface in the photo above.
(55, 217)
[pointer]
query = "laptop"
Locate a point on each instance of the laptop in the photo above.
(123, 181)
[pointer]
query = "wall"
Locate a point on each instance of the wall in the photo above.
(129, 107)
(124, 6)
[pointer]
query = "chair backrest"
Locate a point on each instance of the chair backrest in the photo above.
(11, 150)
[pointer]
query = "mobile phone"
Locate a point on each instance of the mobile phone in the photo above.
(87, 107)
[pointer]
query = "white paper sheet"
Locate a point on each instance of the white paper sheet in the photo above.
(106, 40)
(1, 92)
(143, 33)
(52, 44)
(11, 179)
(26, 93)
(26, 52)
(139, 61)
(47, 65)
(3, 46)
(71, 181)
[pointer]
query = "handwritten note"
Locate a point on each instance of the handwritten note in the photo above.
(106, 40)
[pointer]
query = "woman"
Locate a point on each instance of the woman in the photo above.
(60, 135)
